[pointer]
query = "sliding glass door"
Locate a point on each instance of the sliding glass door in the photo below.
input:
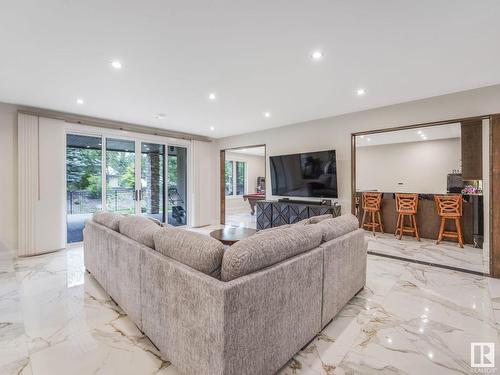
(177, 185)
(152, 195)
(129, 176)
(83, 182)
(120, 176)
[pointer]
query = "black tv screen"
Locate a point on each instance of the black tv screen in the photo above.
(311, 174)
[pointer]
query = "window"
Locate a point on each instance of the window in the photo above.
(235, 178)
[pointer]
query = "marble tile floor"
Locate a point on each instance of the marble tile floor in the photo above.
(242, 219)
(409, 319)
(446, 253)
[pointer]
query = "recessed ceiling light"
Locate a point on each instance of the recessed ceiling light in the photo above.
(419, 132)
(80, 101)
(361, 92)
(424, 138)
(116, 64)
(362, 136)
(317, 55)
(267, 114)
(212, 128)
(368, 139)
(212, 96)
(160, 116)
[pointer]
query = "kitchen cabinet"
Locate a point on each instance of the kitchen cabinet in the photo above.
(472, 152)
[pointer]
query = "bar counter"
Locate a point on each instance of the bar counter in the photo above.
(428, 219)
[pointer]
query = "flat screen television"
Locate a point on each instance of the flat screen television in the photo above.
(310, 174)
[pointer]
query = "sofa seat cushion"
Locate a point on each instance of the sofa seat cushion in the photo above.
(196, 250)
(267, 248)
(110, 220)
(338, 226)
(140, 229)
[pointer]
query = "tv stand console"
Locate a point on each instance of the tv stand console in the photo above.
(272, 214)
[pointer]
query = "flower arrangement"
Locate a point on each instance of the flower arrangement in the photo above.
(469, 189)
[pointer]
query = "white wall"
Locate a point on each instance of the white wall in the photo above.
(335, 132)
(8, 174)
(256, 167)
(421, 167)
(204, 183)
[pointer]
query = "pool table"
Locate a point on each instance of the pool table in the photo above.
(253, 198)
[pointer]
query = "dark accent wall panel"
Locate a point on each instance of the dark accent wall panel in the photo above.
(273, 213)
(297, 212)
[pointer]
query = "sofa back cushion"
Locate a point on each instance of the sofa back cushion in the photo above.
(337, 226)
(110, 220)
(196, 250)
(267, 248)
(319, 218)
(139, 228)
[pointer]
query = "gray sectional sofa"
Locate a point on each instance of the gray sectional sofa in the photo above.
(245, 309)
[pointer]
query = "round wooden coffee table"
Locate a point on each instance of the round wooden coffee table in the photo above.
(231, 235)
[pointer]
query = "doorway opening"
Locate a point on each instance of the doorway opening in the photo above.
(243, 184)
(431, 188)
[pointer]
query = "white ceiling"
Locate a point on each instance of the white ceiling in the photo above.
(258, 151)
(253, 54)
(430, 133)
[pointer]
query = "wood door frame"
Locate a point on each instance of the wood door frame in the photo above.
(495, 195)
(222, 169)
(494, 177)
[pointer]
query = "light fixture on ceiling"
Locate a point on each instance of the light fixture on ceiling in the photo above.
(317, 55)
(361, 136)
(424, 138)
(368, 139)
(212, 128)
(80, 101)
(267, 114)
(160, 116)
(361, 92)
(212, 96)
(419, 132)
(116, 64)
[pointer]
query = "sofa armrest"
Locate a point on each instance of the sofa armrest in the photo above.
(344, 271)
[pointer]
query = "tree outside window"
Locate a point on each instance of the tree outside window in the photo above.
(235, 178)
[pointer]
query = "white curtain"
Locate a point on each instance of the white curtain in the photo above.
(41, 171)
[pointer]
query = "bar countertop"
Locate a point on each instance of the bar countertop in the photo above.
(428, 219)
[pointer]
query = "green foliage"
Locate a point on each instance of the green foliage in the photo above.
(83, 168)
(172, 170)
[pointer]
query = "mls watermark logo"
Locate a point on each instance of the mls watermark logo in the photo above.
(482, 355)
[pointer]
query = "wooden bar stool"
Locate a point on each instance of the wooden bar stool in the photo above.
(449, 207)
(406, 206)
(371, 204)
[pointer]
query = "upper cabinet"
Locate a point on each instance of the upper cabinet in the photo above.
(472, 152)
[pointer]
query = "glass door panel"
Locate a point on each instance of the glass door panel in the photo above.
(120, 176)
(177, 185)
(83, 182)
(153, 181)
